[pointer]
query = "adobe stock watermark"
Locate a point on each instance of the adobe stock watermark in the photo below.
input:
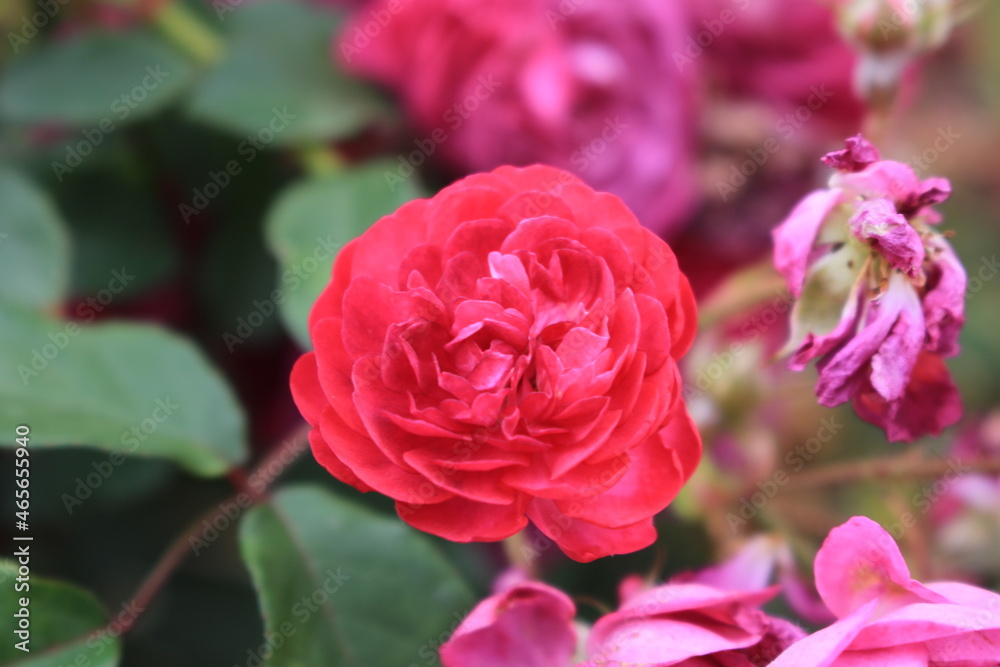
(795, 460)
(904, 15)
(987, 271)
(247, 151)
(121, 108)
(87, 311)
(751, 332)
(696, 44)
(785, 127)
(945, 139)
(928, 494)
(302, 611)
(130, 440)
(292, 278)
(30, 25)
(586, 154)
(453, 118)
(428, 651)
(562, 12)
(103, 640)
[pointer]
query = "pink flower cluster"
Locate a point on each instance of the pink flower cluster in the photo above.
(710, 620)
(880, 292)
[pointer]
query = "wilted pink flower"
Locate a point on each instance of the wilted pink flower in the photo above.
(881, 293)
(888, 618)
(587, 86)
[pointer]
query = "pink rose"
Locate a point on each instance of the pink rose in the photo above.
(588, 86)
(881, 293)
(888, 618)
(506, 351)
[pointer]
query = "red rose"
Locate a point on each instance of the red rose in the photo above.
(503, 351)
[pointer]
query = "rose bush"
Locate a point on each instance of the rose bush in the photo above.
(503, 351)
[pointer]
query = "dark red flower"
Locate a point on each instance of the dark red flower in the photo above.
(503, 351)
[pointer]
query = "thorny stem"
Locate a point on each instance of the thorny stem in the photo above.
(292, 446)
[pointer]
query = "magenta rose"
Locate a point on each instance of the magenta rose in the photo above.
(590, 87)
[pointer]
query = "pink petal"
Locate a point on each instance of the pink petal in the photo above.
(841, 375)
(794, 238)
(825, 647)
(877, 222)
(858, 154)
(885, 179)
(920, 623)
(859, 562)
(892, 365)
(944, 301)
(750, 569)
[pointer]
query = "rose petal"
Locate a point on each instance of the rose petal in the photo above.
(794, 238)
(462, 520)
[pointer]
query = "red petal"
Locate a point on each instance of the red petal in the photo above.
(660, 466)
(585, 542)
(372, 467)
(306, 390)
(463, 520)
(328, 459)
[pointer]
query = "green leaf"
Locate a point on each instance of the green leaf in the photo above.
(133, 388)
(343, 586)
(99, 79)
(282, 86)
(65, 623)
(34, 245)
(313, 218)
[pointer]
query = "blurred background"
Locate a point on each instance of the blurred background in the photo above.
(176, 177)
